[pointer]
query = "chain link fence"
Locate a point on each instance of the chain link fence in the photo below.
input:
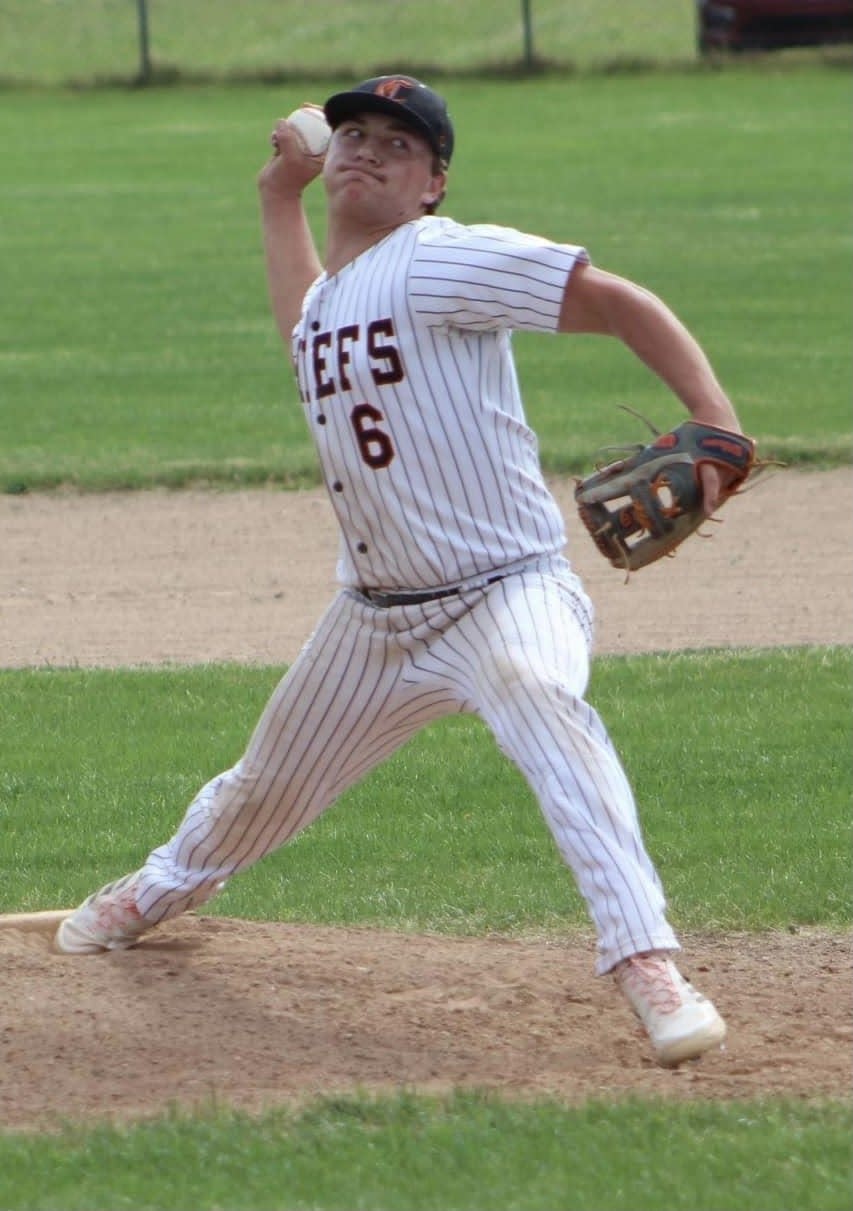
(90, 42)
(85, 42)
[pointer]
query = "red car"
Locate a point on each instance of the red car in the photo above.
(743, 25)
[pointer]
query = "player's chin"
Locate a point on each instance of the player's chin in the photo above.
(354, 192)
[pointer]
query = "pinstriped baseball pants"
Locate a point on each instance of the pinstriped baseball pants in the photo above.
(517, 655)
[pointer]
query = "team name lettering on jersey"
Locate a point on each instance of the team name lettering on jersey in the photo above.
(332, 355)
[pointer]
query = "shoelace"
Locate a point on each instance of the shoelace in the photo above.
(652, 979)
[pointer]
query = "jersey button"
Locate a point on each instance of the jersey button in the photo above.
(337, 486)
(362, 548)
(321, 418)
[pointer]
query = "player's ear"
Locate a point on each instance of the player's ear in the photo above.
(435, 191)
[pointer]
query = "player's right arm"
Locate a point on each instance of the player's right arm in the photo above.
(291, 255)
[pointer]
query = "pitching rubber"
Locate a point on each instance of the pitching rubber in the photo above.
(34, 920)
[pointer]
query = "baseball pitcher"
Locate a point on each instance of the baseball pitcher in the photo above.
(455, 591)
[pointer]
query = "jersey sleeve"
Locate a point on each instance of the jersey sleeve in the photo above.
(486, 277)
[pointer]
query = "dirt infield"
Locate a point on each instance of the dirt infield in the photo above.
(253, 1014)
(186, 577)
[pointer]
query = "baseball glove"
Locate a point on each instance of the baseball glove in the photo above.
(643, 506)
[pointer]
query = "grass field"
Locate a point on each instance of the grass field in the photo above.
(101, 764)
(468, 1153)
(136, 348)
(136, 345)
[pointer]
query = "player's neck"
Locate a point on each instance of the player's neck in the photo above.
(347, 239)
(344, 247)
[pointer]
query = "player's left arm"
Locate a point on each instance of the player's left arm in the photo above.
(602, 303)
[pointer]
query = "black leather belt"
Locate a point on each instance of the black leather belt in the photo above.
(385, 600)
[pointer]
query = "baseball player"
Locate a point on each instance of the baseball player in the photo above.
(455, 594)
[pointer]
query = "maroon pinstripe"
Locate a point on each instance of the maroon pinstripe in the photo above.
(407, 378)
(516, 654)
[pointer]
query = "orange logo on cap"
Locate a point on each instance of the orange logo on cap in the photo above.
(392, 87)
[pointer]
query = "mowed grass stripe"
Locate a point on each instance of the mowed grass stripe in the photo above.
(743, 789)
(137, 346)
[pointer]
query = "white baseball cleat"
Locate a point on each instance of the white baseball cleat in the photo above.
(107, 920)
(681, 1023)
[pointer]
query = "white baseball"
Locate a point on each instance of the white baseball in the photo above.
(312, 129)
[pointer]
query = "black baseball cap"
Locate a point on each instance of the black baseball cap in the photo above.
(403, 98)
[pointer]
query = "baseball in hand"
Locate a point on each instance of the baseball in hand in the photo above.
(312, 129)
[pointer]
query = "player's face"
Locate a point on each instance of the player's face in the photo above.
(380, 170)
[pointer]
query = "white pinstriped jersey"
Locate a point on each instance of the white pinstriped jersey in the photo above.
(405, 368)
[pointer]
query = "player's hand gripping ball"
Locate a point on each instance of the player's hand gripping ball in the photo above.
(644, 506)
(312, 129)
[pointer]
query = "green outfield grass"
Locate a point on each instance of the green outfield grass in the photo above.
(469, 1153)
(136, 345)
(745, 806)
